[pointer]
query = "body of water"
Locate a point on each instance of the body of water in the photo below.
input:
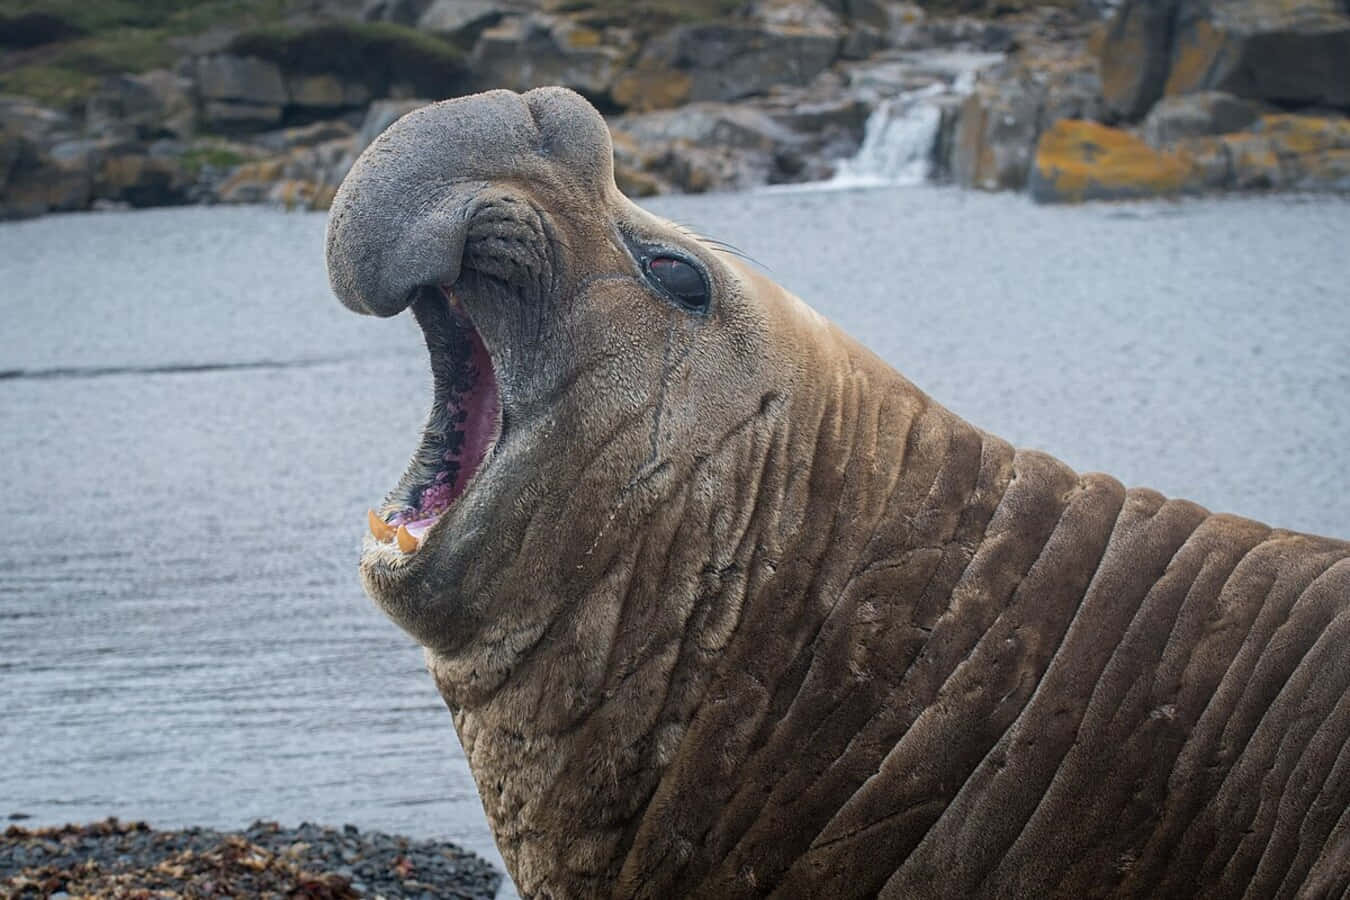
(191, 430)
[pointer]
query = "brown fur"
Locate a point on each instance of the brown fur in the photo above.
(736, 610)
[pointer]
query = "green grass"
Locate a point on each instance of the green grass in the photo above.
(199, 157)
(120, 36)
(175, 16)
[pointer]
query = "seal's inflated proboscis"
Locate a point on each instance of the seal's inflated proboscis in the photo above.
(725, 607)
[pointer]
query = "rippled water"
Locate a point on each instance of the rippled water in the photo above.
(191, 429)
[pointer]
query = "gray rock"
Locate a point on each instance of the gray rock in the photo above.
(524, 52)
(711, 146)
(306, 135)
(240, 79)
(226, 115)
(400, 12)
(711, 124)
(34, 183)
(1281, 51)
(1196, 115)
(731, 61)
(452, 18)
(142, 106)
(38, 124)
(1290, 52)
(995, 137)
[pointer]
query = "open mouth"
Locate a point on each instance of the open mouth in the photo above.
(463, 428)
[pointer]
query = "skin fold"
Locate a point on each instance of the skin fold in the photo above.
(734, 610)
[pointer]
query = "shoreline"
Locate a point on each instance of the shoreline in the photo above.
(313, 861)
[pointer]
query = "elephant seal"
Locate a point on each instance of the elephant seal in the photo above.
(724, 607)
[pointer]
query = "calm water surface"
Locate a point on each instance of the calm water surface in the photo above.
(191, 429)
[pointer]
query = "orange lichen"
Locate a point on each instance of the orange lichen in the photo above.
(1080, 160)
(640, 90)
(1194, 58)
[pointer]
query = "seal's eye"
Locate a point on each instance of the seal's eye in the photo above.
(679, 279)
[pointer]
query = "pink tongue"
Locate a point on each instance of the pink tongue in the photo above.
(418, 528)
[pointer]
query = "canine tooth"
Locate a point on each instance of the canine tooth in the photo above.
(381, 529)
(406, 542)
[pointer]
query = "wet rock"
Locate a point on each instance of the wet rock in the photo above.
(1196, 115)
(996, 133)
(1078, 160)
(265, 860)
(525, 52)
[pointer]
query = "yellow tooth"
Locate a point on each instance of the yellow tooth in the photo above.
(406, 542)
(381, 529)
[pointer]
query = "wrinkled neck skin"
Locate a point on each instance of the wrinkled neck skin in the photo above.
(680, 634)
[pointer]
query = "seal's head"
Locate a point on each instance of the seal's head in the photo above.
(585, 353)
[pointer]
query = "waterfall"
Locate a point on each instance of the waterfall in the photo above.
(898, 142)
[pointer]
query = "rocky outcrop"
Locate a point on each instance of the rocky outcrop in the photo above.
(724, 62)
(525, 52)
(1077, 160)
(152, 105)
(721, 95)
(1136, 56)
(1288, 52)
(1196, 115)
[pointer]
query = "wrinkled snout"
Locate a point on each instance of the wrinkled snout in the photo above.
(401, 216)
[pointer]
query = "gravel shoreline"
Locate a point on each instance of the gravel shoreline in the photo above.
(132, 860)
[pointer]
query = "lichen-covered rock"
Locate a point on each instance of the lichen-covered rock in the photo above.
(1290, 52)
(1283, 51)
(1079, 160)
(1282, 152)
(1195, 115)
(1136, 56)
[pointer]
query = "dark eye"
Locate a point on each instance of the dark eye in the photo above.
(680, 280)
